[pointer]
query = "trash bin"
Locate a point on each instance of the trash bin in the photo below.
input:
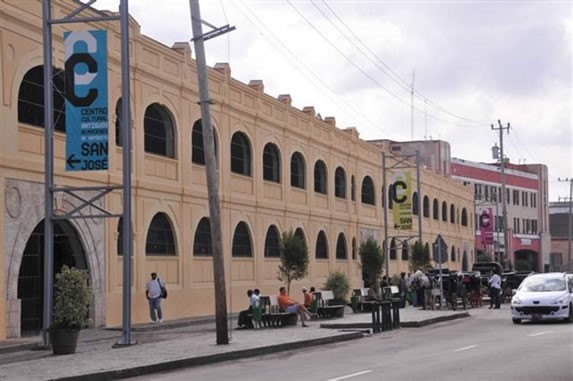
(354, 303)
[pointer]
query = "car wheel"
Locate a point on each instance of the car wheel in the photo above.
(516, 321)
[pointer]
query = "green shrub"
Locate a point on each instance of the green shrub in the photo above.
(71, 299)
(294, 259)
(338, 282)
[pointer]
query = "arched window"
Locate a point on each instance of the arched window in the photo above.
(426, 207)
(159, 131)
(368, 191)
(405, 251)
(341, 247)
(197, 147)
(202, 241)
(242, 241)
(240, 154)
(464, 217)
(435, 210)
(297, 172)
(452, 214)
(352, 188)
(300, 234)
(160, 239)
(393, 249)
(444, 211)
(415, 206)
(321, 246)
(391, 196)
(354, 248)
(272, 243)
(320, 179)
(465, 261)
(271, 163)
(120, 236)
(453, 255)
(31, 98)
(118, 133)
(340, 183)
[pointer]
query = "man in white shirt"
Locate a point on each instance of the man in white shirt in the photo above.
(153, 293)
(495, 286)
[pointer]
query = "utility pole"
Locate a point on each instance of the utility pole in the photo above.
(210, 164)
(503, 192)
(569, 218)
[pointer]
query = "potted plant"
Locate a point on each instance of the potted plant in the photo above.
(71, 302)
(337, 281)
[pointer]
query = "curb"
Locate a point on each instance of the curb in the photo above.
(208, 359)
(407, 324)
(19, 347)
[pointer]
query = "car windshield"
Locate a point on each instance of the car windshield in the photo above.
(542, 284)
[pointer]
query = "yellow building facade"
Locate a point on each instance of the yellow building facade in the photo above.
(279, 168)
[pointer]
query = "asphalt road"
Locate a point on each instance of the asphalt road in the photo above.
(486, 346)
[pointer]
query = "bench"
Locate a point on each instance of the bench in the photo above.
(268, 314)
(325, 307)
(364, 301)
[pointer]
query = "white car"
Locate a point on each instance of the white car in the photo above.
(543, 297)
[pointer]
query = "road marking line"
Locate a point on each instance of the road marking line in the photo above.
(465, 348)
(350, 375)
(539, 333)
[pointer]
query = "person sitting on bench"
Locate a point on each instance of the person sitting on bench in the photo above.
(290, 306)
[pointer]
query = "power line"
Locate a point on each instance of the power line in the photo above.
(297, 67)
(372, 79)
(388, 71)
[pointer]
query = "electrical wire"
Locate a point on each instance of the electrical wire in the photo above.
(310, 73)
(372, 79)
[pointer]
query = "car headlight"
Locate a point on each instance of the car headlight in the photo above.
(561, 300)
(515, 300)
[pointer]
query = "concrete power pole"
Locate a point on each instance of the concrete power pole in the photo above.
(210, 163)
(569, 218)
(503, 192)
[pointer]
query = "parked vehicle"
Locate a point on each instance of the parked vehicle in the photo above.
(543, 297)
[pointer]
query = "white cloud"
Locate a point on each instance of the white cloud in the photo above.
(479, 60)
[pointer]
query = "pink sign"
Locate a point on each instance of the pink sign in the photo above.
(486, 226)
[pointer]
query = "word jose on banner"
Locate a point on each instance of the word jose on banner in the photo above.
(87, 120)
(401, 193)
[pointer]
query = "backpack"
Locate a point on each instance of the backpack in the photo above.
(163, 289)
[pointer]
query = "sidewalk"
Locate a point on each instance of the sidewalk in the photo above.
(182, 343)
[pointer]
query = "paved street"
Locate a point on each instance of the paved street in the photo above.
(486, 346)
(173, 346)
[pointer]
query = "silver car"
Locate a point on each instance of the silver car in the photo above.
(543, 297)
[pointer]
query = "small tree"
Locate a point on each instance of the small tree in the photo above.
(420, 258)
(337, 281)
(371, 259)
(71, 299)
(294, 259)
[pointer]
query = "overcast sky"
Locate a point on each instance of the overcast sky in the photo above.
(474, 61)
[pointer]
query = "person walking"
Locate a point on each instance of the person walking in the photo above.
(153, 290)
(495, 287)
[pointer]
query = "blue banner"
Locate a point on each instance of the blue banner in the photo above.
(86, 100)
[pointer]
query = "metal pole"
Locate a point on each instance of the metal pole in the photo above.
(385, 199)
(48, 173)
(506, 250)
(212, 184)
(440, 270)
(569, 217)
(126, 138)
(420, 211)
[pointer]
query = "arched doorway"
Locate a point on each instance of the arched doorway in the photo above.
(68, 250)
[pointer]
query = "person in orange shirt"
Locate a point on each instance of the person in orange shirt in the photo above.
(292, 307)
(307, 297)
